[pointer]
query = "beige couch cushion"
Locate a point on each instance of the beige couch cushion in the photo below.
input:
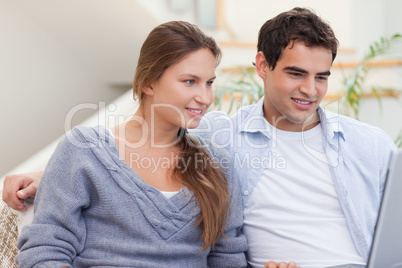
(8, 236)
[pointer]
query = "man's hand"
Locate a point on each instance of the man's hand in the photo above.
(272, 264)
(18, 187)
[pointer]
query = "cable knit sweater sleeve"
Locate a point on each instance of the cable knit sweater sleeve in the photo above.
(58, 231)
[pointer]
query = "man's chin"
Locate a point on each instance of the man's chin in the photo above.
(305, 123)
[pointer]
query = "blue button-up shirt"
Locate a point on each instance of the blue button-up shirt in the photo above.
(356, 153)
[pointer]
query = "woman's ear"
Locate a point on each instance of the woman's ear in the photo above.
(148, 90)
(261, 64)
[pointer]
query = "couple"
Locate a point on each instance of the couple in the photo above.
(96, 206)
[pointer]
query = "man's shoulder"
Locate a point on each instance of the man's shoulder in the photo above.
(219, 122)
(212, 149)
(219, 154)
(358, 131)
(219, 117)
(354, 125)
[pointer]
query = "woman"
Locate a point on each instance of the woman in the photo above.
(144, 193)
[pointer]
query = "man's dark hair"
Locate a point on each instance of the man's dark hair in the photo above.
(298, 24)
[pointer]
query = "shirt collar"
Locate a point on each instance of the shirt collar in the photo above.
(330, 124)
(254, 121)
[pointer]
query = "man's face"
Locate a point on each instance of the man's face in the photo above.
(295, 88)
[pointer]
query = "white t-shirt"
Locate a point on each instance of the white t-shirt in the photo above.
(169, 194)
(294, 212)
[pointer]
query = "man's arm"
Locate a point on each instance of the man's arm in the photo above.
(18, 187)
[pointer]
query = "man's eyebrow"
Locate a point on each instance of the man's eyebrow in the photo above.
(295, 69)
(327, 73)
(300, 70)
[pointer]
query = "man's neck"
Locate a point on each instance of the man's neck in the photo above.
(284, 124)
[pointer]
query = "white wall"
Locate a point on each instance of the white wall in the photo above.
(56, 54)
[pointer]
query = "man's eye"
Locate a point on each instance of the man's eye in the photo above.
(295, 74)
(323, 78)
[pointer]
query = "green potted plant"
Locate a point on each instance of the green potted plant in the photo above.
(354, 83)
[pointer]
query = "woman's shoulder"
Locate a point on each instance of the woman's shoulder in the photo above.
(88, 137)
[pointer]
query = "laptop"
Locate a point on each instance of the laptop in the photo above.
(386, 250)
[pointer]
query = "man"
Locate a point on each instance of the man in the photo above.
(312, 181)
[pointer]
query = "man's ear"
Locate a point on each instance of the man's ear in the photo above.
(261, 64)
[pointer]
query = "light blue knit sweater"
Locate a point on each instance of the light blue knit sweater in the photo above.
(92, 209)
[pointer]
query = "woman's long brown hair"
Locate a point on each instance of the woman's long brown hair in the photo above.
(166, 45)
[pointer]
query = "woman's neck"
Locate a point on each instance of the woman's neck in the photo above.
(152, 134)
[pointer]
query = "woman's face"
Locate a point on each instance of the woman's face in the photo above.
(184, 92)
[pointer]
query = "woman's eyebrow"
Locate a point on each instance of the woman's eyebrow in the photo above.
(196, 76)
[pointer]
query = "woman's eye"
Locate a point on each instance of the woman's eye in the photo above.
(209, 83)
(190, 82)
